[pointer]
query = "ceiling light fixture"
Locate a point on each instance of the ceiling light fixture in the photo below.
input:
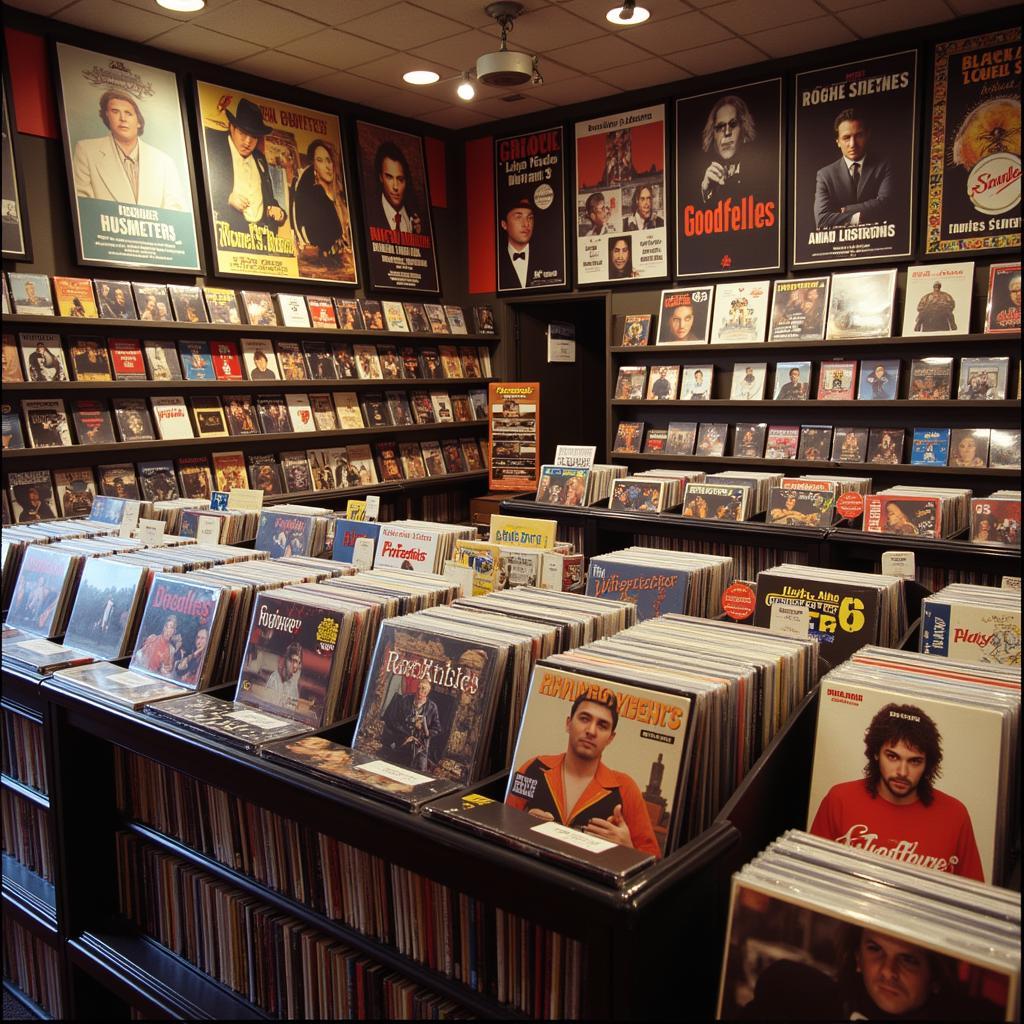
(182, 6)
(628, 14)
(466, 90)
(421, 77)
(507, 68)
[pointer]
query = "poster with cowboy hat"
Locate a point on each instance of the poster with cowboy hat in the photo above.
(276, 191)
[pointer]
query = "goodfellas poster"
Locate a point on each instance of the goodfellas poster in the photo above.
(973, 200)
(729, 181)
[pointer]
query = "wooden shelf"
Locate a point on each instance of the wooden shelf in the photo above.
(929, 341)
(128, 328)
(815, 403)
(72, 387)
(30, 898)
(32, 1007)
(292, 439)
(25, 792)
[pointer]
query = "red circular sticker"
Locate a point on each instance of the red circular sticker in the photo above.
(850, 505)
(738, 601)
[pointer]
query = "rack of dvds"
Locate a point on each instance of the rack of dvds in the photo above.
(198, 406)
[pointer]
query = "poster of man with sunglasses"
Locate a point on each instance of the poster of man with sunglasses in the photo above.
(729, 181)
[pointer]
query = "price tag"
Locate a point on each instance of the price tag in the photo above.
(355, 510)
(132, 679)
(245, 500)
(898, 563)
(131, 518)
(372, 507)
(1011, 583)
(208, 530)
(362, 553)
(850, 505)
(257, 718)
(460, 574)
(151, 531)
(394, 773)
(739, 600)
(219, 501)
(584, 840)
(790, 620)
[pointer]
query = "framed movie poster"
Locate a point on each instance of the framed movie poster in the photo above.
(973, 200)
(16, 243)
(133, 197)
(276, 191)
(621, 197)
(513, 414)
(530, 195)
(396, 209)
(854, 162)
(729, 181)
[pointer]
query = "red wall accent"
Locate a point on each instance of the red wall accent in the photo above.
(480, 215)
(35, 112)
(437, 173)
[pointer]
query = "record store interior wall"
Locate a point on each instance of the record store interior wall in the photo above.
(465, 240)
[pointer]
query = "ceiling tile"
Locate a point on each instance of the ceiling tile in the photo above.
(258, 22)
(335, 49)
(46, 8)
(816, 34)
(149, 5)
(599, 54)
(703, 5)
(403, 26)
(472, 12)
(652, 71)
(458, 51)
(204, 44)
(537, 31)
(684, 31)
(879, 18)
(744, 16)
(389, 70)
(342, 86)
(118, 19)
(843, 5)
(413, 105)
(596, 12)
(529, 104)
(455, 118)
(580, 90)
(330, 12)
(281, 67)
(975, 6)
(705, 60)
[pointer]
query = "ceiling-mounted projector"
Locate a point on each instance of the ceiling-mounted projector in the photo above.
(506, 68)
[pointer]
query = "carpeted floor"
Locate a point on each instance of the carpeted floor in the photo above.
(13, 1010)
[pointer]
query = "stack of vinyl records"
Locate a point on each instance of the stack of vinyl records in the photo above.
(845, 610)
(602, 479)
(659, 581)
(842, 484)
(227, 526)
(419, 546)
(914, 761)
(576, 485)
(294, 530)
(996, 519)
(190, 632)
(190, 557)
(760, 485)
(821, 932)
(722, 501)
(684, 476)
(801, 502)
(970, 623)
(918, 511)
(646, 493)
(170, 511)
(500, 566)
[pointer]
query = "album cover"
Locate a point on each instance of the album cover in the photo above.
(162, 360)
(861, 305)
(295, 470)
(293, 310)
(664, 383)
(133, 420)
(152, 302)
(89, 359)
(187, 303)
(46, 423)
(1004, 450)
(194, 476)
(904, 515)
(631, 383)
(792, 381)
(75, 297)
(259, 359)
(748, 382)
(654, 442)
(436, 317)
(350, 317)
(937, 299)
(628, 437)
(373, 314)
(783, 442)
(931, 379)
(681, 438)
(259, 309)
(416, 316)
(685, 316)
(319, 361)
(272, 411)
(32, 498)
(75, 491)
(797, 506)
(748, 440)
(119, 481)
(227, 363)
(223, 306)
(265, 474)
(696, 383)
(43, 358)
(995, 521)
(1002, 309)
(879, 380)
(741, 311)
(968, 447)
(930, 446)
(850, 444)
(171, 416)
(715, 501)
(983, 379)
(196, 361)
(321, 311)
(799, 305)
(837, 380)
(13, 436)
(711, 439)
(30, 294)
(208, 414)
(229, 471)
(885, 446)
(156, 481)
(815, 443)
(483, 320)
(636, 329)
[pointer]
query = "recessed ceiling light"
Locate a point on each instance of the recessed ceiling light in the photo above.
(182, 6)
(421, 77)
(628, 14)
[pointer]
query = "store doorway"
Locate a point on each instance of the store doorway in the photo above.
(572, 395)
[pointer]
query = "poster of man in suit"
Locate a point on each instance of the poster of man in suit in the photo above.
(855, 161)
(396, 209)
(128, 165)
(530, 195)
(276, 188)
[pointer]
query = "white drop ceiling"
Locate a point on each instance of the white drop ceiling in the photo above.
(358, 49)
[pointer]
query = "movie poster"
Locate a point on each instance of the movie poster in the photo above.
(621, 197)
(276, 190)
(15, 223)
(729, 181)
(973, 200)
(530, 196)
(513, 413)
(854, 164)
(128, 166)
(396, 209)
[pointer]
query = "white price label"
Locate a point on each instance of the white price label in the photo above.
(257, 718)
(460, 574)
(1011, 583)
(898, 563)
(362, 553)
(394, 773)
(208, 530)
(132, 680)
(151, 531)
(244, 499)
(372, 507)
(584, 840)
(131, 518)
(39, 647)
(790, 620)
